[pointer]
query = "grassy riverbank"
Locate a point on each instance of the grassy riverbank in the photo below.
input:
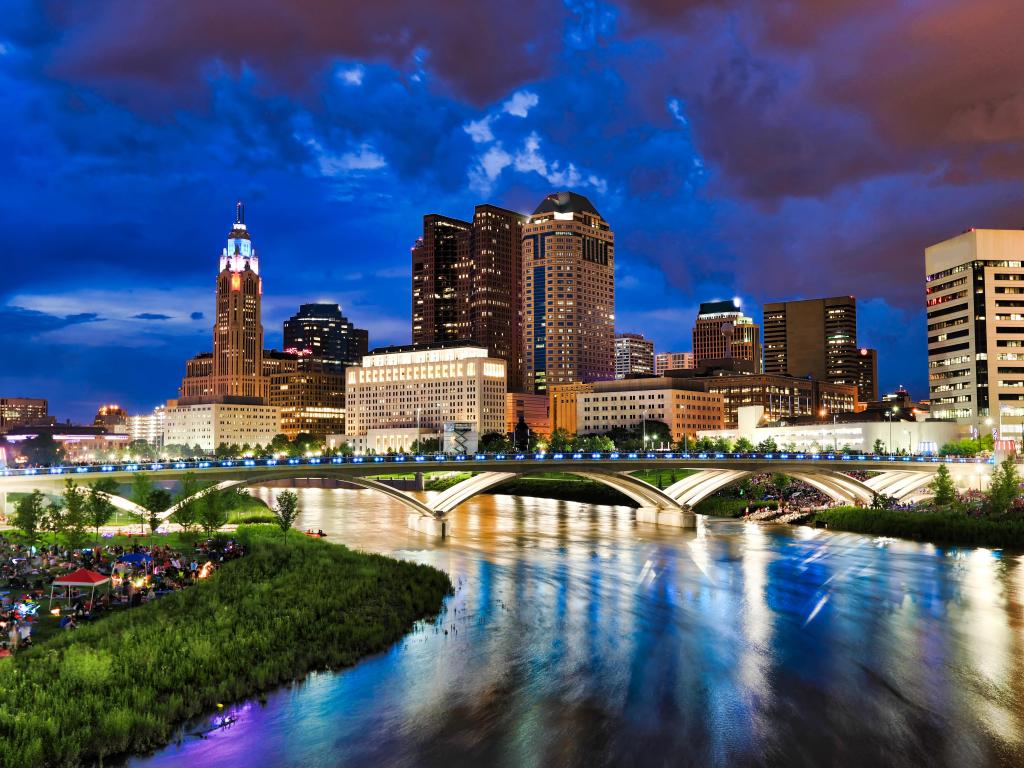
(125, 683)
(938, 527)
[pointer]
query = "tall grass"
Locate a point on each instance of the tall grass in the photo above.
(938, 527)
(288, 607)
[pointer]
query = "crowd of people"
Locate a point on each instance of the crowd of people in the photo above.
(137, 574)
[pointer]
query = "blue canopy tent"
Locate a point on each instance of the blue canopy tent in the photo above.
(136, 559)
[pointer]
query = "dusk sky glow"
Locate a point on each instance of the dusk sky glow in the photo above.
(737, 148)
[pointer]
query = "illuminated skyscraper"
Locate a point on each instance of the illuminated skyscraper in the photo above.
(812, 337)
(466, 283)
(568, 294)
(634, 355)
(235, 368)
(321, 336)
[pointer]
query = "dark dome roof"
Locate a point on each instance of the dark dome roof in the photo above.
(565, 202)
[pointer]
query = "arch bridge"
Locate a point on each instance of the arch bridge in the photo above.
(896, 476)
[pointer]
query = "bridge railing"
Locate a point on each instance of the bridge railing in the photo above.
(460, 459)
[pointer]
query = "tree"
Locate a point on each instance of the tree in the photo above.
(703, 444)
(160, 501)
(142, 490)
(76, 518)
(29, 515)
(42, 450)
(942, 486)
(495, 442)
(280, 445)
(54, 520)
(187, 513)
(98, 508)
(561, 440)
(213, 510)
(285, 510)
(424, 445)
(878, 447)
(722, 445)
(768, 445)
(743, 445)
(1004, 489)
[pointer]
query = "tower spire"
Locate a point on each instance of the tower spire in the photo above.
(239, 212)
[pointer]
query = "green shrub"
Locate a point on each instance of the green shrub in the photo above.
(941, 527)
(123, 683)
(729, 506)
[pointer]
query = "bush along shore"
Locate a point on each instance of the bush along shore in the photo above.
(937, 526)
(290, 606)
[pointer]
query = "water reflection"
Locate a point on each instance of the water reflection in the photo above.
(578, 637)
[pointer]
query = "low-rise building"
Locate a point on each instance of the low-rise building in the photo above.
(20, 411)
(311, 400)
(229, 420)
(680, 403)
(412, 391)
(535, 410)
(852, 433)
(149, 426)
(673, 361)
(562, 405)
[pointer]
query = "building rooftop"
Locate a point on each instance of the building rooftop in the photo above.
(718, 307)
(565, 202)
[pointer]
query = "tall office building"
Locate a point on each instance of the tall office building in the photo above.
(723, 332)
(441, 284)
(867, 375)
(322, 337)
(813, 337)
(673, 361)
(568, 294)
(975, 312)
(235, 369)
(496, 249)
(634, 355)
(466, 283)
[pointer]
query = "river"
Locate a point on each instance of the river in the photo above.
(578, 637)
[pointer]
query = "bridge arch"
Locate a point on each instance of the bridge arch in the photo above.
(693, 489)
(640, 491)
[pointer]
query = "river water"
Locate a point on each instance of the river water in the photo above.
(579, 637)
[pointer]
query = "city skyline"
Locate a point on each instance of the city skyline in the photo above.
(119, 184)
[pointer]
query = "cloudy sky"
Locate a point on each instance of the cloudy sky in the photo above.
(739, 148)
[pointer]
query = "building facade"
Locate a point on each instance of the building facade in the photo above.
(867, 374)
(562, 405)
(974, 288)
(812, 337)
(723, 332)
(310, 399)
(232, 421)
(680, 403)
(634, 355)
(21, 411)
(781, 397)
(534, 410)
(149, 426)
(399, 394)
(568, 294)
(673, 361)
(322, 337)
(912, 436)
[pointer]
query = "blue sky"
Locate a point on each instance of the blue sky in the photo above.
(793, 151)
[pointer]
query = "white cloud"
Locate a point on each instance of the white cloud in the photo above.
(521, 103)
(352, 75)
(334, 165)
(675, 108)
(529, 158)
(487, 169)
(480, 130)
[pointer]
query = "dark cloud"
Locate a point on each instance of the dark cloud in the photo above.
(196, 316)
(150, 316)
(18, 322)
(165, 48)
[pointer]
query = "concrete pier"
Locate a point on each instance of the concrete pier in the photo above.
(672, 518)
(432, 526)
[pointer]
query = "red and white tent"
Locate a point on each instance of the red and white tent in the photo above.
(83, 577)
